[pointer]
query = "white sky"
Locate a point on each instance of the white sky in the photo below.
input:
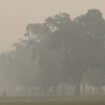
(16, 14)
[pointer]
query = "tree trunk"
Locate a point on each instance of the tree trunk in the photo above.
(54, 91)
(98, 91)
(63, 89)
(77, 89)
(83, 89)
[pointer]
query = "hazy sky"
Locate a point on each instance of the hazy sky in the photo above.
(16, 14)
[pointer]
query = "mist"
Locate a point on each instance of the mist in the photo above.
(52, 48)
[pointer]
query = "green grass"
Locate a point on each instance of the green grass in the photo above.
(82, 100)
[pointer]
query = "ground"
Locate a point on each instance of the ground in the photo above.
(83, 100)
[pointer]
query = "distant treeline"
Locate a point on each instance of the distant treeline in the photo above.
(59, 51)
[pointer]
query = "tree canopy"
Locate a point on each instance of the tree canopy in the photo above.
(59, 50)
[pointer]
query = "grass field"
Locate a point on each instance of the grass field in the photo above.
(89, 100)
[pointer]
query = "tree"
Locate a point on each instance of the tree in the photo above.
(79, 42)
(94, 78)
(48, 60)
(83, 44)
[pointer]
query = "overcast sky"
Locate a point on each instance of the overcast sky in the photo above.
(16, 14)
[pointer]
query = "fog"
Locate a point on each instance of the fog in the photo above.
(16, 14)
(52, 48)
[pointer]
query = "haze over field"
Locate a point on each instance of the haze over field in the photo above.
(59, 47)
(16, 14)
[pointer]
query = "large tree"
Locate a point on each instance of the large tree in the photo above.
(79, 43)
